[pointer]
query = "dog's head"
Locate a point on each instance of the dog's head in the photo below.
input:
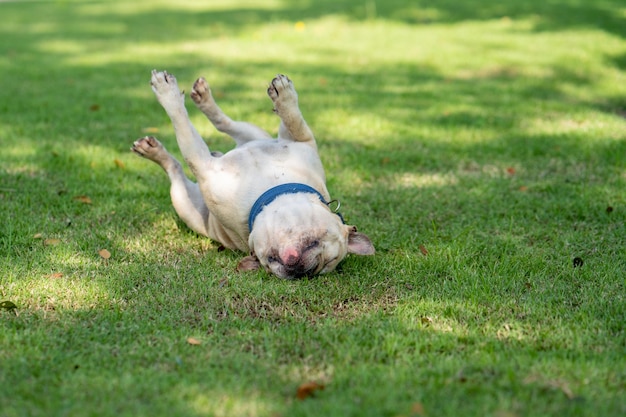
(297, 235)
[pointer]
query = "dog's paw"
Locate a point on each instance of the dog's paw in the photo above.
(281, 89)
(166, 88)
(249, 263)
(149, 147)
(200, 92)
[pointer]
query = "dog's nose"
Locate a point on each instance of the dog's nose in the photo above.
(290, 256)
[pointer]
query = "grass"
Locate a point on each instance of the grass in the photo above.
(480, 144)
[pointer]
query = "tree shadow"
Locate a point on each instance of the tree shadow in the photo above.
(434, 180)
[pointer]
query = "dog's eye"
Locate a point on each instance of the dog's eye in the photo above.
(271, 259)
(313, 244)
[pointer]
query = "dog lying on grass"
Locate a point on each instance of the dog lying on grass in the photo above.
(266, 196)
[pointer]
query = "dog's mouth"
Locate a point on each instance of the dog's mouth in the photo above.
(295, 274)
(292, 263)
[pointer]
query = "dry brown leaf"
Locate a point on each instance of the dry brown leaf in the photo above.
(105, 254)
(417, 409)
(119, 163)
(510, 170)
(193, 341)
(51, 242)
(307, 390)
(423, 250)
(505, 413)
(56, 275)
(83, 199)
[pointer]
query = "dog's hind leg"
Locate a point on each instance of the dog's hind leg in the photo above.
(186, 197)
(285, 98)
(241, 132)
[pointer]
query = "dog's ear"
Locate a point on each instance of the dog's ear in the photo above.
(249, 263)
(359, 243)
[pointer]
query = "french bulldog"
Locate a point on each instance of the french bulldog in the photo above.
(266, 197)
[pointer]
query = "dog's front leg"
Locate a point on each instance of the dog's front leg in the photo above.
(285, 98)
(241, 132)
(194, 149)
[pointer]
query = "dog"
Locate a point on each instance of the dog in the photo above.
(266, 197)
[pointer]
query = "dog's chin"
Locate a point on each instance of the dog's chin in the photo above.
(306, 267)
(295, 272)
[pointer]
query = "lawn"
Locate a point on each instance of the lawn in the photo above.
(480, 144)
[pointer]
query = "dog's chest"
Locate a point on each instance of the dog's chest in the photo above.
(240, 176)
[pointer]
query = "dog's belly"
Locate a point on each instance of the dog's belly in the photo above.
(240, 176)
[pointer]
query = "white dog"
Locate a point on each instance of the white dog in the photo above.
(267, 196)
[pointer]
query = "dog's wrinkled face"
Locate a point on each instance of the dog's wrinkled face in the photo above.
(300, 237)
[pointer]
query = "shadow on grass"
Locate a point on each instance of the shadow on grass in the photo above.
(488, 102)
(423, 353)
(484, 102)
(55, 173)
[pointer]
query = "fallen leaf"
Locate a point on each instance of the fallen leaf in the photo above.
(523, 188)
(505, 413)
(105, 254)
(567, 391)
(563, 387)
(510, 170)
(417, 409)
(193, 341)
(460, 376)
(307, 390)
(56, 275)
(83, 199)
(8, 305)
(51, 242)
(119, 163)
(37, 236)
(423, 250)
(94, 107)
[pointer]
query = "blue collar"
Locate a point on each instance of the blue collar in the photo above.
(273, 193)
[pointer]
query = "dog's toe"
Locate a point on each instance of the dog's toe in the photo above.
(147, 147)
(200, 90)
(280, 85)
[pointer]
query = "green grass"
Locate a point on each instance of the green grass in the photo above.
(481, 145)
